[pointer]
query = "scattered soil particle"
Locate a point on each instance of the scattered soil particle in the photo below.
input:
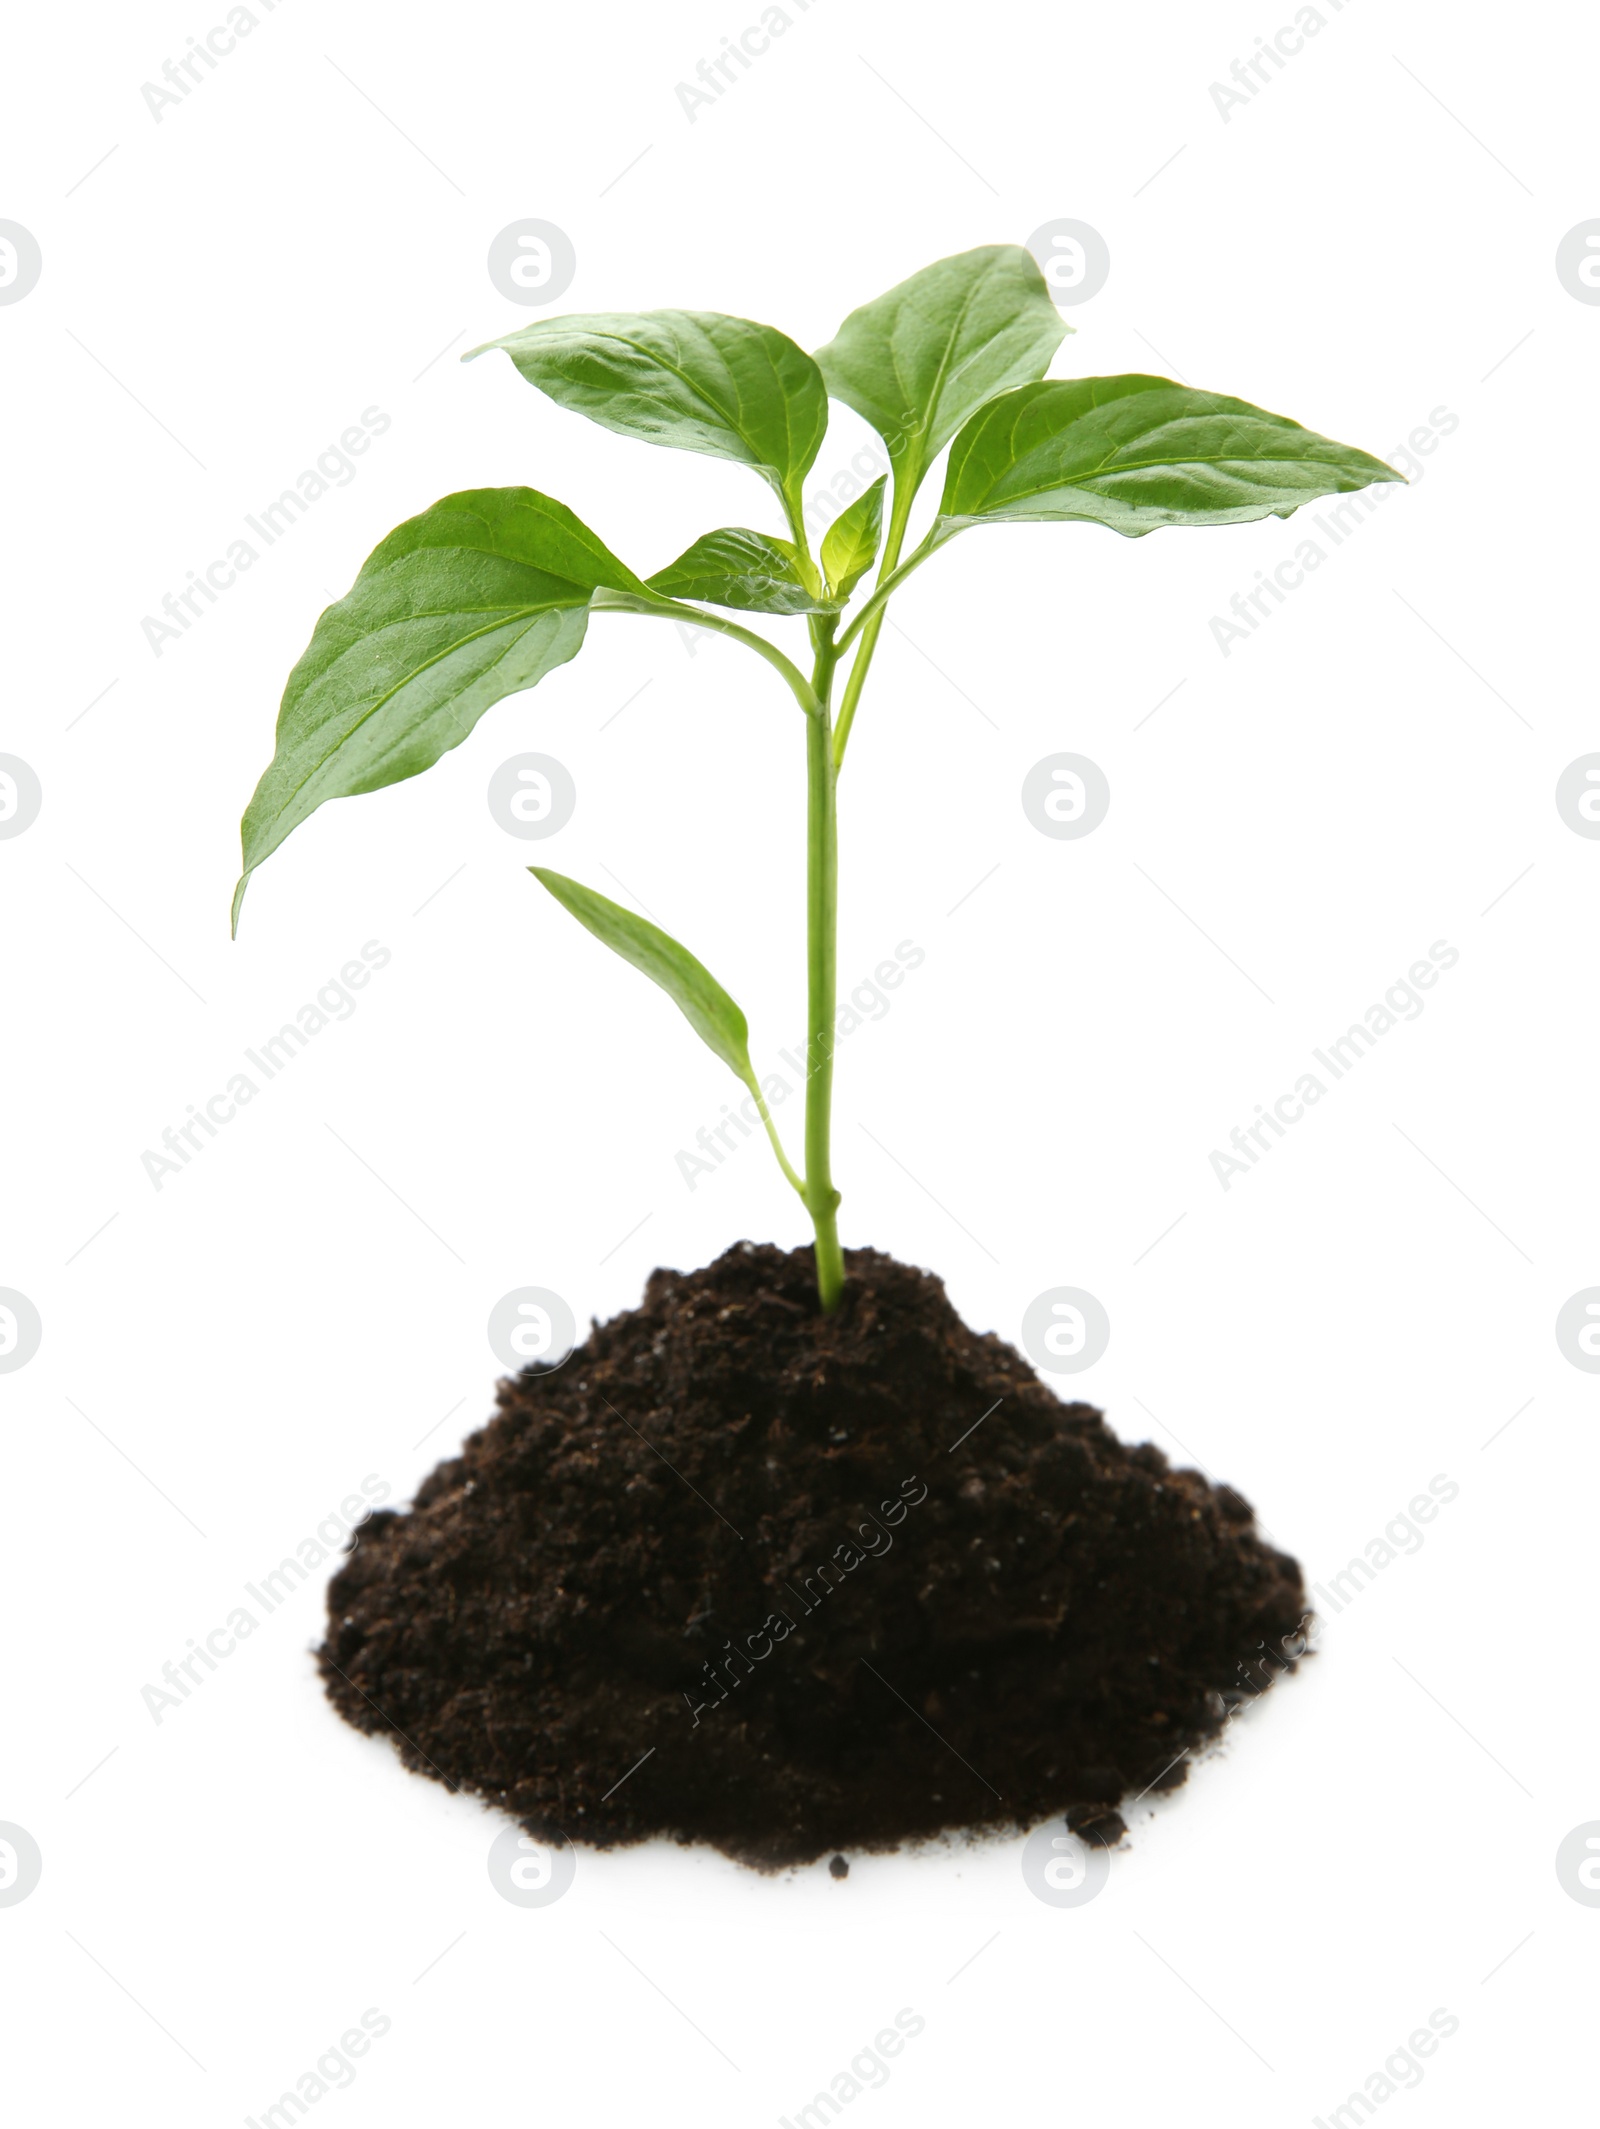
(1097, 1825)
(740, 1573)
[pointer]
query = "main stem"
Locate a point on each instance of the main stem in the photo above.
(822, 927)
(899, 516)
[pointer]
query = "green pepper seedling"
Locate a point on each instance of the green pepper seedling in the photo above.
(485, 593)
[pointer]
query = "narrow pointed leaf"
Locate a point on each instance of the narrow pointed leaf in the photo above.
(478, 597)
(694, 380)
(851, 541)
(1136, 453)
(921, 359)
(748, 570)
(691, 986)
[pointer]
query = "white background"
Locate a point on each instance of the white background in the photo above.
(1372, 237)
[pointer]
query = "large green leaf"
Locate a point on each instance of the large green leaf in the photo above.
(480, 596)
(696, 380)
(851, 541)
(1135, 453)
(691, 987)
(748, 570)
(922, 358)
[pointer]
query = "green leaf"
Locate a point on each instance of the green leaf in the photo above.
(1135, 453)
(922, 358)
(480, 596)
(851, 541)
(691, 987)
(695, 380)
(748, 570)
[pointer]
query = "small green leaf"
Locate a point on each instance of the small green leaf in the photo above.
(851, 541)
(695, 380)
(477, 598)
(691, 987)
(920, 359)
(748, 570)
(1135, 453)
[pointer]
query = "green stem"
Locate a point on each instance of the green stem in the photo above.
(888, 584)
(869, 621)
(627, 602)
(809, 571)
(822, 917)
(822, 891)
(853, 687)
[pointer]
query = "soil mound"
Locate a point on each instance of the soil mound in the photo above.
(789, 1584)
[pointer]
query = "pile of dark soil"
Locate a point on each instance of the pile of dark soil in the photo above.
(847, 1581)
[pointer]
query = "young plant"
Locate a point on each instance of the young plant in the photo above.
(488, 591)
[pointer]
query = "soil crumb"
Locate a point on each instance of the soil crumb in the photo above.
(789, 1584)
